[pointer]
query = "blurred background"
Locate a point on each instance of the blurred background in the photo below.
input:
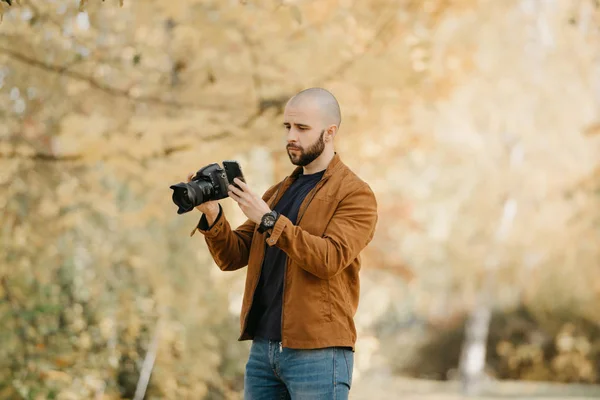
(476, 123)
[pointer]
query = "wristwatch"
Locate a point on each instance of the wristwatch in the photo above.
(268, 221)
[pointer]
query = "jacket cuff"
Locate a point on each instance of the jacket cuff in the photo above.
(280, 225)
(212, 230)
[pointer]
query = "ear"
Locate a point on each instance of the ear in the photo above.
(331, 132)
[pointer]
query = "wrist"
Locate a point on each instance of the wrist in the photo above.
(268, 221)
(212, 214)
(213, 210)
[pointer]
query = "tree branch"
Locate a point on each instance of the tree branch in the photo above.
(49, 157)
(40, 157)
(346, 65)
(117, 92)
(148, 364)
(278, 103)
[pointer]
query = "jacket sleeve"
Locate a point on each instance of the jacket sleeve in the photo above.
(229, 248)
(350, 230)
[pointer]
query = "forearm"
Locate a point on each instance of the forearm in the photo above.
(348, 233)
(212, 216)
(319, 256)
(229, 248)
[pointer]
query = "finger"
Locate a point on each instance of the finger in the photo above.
(241, 184)
(190, 176)
(238, 192)
(235, 197)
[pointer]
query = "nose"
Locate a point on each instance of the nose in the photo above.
(292, 136)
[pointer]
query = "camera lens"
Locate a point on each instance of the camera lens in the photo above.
(181, 197)
(193, 193)
(189, 195)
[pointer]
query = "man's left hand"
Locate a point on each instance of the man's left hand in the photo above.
(252, 205)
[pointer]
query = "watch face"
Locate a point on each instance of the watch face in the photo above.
(269, 220)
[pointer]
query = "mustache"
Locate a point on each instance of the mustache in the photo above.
(291, 146)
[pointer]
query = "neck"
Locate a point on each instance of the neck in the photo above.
(321, 162)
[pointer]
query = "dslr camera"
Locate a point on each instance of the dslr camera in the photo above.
(209, 183)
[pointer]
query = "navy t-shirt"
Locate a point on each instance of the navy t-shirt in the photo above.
(265, 315)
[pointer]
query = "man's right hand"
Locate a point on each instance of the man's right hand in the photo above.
(209, 208)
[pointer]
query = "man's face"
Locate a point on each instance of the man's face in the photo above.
(305, 133)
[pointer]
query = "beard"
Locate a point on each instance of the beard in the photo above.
(309, 155)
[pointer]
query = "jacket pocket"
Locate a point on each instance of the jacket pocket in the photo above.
(326, 300)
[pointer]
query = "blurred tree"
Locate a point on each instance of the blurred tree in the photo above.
(102, 108)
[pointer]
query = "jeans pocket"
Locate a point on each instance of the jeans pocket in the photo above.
(344, 364)
(349, 358)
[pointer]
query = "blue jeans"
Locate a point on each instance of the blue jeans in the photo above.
(274, 373)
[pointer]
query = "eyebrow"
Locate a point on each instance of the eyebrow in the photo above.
(298, 125)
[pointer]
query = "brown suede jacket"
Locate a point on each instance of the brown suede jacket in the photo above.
(336, 221)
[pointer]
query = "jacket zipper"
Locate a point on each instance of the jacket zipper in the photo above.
(315, 190)
(256, 283)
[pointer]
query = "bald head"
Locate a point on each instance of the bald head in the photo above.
(321, 99)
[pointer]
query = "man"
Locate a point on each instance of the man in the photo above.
(301, 244)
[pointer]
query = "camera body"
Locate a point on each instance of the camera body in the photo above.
(208, 184)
